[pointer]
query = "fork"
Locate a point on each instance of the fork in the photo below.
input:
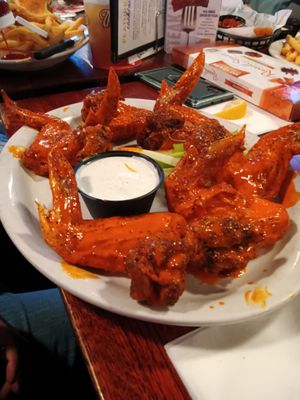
(188, 20)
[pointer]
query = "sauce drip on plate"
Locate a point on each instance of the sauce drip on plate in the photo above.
(290, 195)
(17, 151)
(257, 296)
(76, 272)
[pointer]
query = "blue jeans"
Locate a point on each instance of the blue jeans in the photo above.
(51, 364)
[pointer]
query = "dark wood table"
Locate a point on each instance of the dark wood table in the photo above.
(126, 357)
(77, 72)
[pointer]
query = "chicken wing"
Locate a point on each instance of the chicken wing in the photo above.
(263, 169)
(52, 131)
(232, 226)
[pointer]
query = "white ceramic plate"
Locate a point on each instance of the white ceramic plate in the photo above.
(36, 65)
(274, 50)
(277, 269)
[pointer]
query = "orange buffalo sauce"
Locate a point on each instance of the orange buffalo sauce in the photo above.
(211, 279)
(290, 196)
(206, 277)
(263, 31)
(257, 296)
(76, 272)
(17, 151)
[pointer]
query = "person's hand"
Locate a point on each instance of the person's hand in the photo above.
(11, 361)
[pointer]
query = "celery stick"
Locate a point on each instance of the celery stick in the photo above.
(160, 157)
(163, 158)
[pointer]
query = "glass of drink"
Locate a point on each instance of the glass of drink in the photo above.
(98, 22)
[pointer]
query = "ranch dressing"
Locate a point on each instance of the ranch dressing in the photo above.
(117, 178)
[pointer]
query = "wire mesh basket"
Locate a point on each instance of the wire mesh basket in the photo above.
(257, 43)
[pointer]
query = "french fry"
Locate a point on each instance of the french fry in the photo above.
(291, 49)
(10, 42)
(285, 49)
(49, 23)
(295, 44)
(26, 46)
(76, 24)
(55, 35)
(76, 32)
(291, 55)
(20, 38)
(64, 25)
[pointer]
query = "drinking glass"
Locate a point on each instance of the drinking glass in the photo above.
(98, 22)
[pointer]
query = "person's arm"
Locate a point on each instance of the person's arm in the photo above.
(10, 361)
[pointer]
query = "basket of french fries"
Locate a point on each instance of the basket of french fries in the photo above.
(37, 28)
(290, 49)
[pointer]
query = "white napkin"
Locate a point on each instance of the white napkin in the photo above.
(232, 4)
(252, 360)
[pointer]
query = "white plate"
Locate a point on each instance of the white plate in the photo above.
(275, 49)
(36, 65)
(277, 269)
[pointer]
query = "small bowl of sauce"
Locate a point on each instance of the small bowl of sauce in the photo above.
(118, 183)
(231, 21)
(15, 56)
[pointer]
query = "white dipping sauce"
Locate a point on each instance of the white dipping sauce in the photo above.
(117, 178)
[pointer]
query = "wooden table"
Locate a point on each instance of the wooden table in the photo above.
(125, 357)
(77, 72)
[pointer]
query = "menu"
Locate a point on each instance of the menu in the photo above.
(136, 25)
(191, 21)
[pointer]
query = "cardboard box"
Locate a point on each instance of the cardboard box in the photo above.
(191, 21)
(256, 77)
